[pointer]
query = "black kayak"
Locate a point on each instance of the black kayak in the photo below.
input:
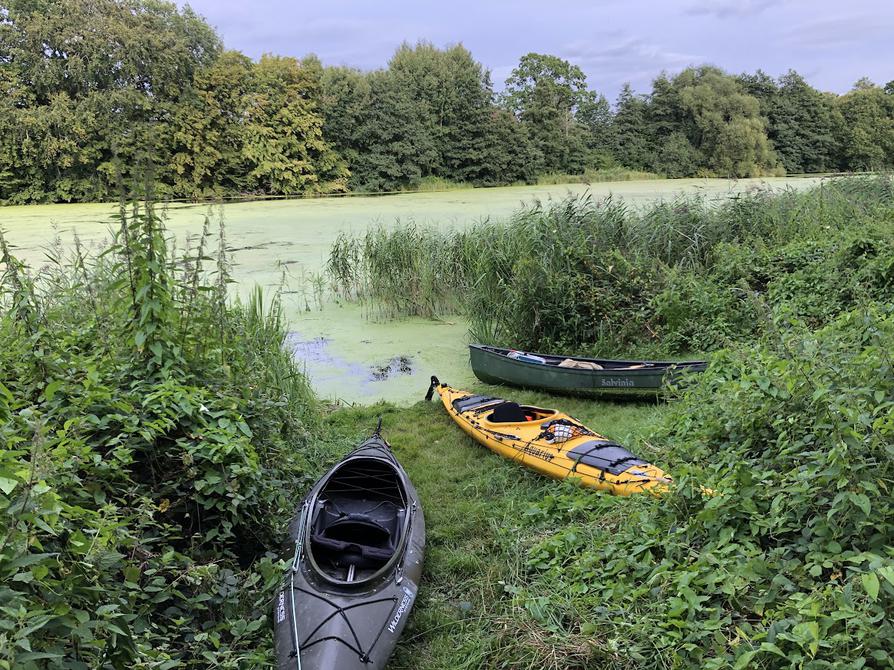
(359, 539)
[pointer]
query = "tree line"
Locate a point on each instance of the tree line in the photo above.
(92, 89)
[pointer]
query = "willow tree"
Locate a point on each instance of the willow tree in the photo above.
(725, 123)
(802, 123)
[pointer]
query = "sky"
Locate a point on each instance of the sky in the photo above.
(832, 43)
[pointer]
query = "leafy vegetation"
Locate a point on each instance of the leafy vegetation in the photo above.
(152, 438)
(156, 438)
(788, 565)
(150, 83)
(429, 115)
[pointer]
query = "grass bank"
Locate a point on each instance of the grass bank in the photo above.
(478, 509)
(595, 176)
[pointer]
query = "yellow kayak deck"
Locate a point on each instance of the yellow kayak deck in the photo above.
(551, 443)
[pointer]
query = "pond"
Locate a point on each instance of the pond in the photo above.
(349, 355)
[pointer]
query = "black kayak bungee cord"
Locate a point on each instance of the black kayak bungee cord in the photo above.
(296, 566)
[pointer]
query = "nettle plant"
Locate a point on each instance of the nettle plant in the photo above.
(151, 432)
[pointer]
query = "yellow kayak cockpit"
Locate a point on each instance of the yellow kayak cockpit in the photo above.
(511, 412)
(551, 443)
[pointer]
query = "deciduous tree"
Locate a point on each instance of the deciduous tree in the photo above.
(546, 92)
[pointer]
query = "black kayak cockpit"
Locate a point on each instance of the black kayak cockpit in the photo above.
(512, 412)
(358, 520)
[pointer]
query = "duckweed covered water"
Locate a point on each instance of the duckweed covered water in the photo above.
(349, 356)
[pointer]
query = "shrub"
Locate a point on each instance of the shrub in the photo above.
(789, 563)
(152, 437)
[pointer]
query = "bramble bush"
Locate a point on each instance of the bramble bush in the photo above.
(152, 438)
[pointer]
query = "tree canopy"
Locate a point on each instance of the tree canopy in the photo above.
(547, 93)
(91, 89)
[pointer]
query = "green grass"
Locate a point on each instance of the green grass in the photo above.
(477, 509)
(601, 175)
(435, 184)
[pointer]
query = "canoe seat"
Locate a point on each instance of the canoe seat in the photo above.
(604, 455)
(356, 532)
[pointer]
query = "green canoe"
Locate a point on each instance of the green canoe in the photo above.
(574, 375)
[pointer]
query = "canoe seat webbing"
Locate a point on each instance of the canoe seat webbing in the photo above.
(604, 455)
(469, 402)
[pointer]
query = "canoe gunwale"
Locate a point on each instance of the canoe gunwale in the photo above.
(653, 366)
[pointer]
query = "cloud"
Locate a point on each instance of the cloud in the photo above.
(613, 41)
(630, 59)
(725, 9)
(359, 39)
(841, 31)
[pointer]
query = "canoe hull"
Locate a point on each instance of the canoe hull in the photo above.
(342, 626)
(492, 366)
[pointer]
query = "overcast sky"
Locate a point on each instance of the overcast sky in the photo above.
(831, 42)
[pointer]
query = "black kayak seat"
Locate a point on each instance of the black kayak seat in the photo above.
(604, 455)
(360, 539)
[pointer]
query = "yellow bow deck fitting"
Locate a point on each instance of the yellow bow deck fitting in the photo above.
(550, 442)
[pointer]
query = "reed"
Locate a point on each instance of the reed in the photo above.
(590, 273)
(433, 184)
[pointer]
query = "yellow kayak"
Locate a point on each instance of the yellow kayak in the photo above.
(550, 442)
